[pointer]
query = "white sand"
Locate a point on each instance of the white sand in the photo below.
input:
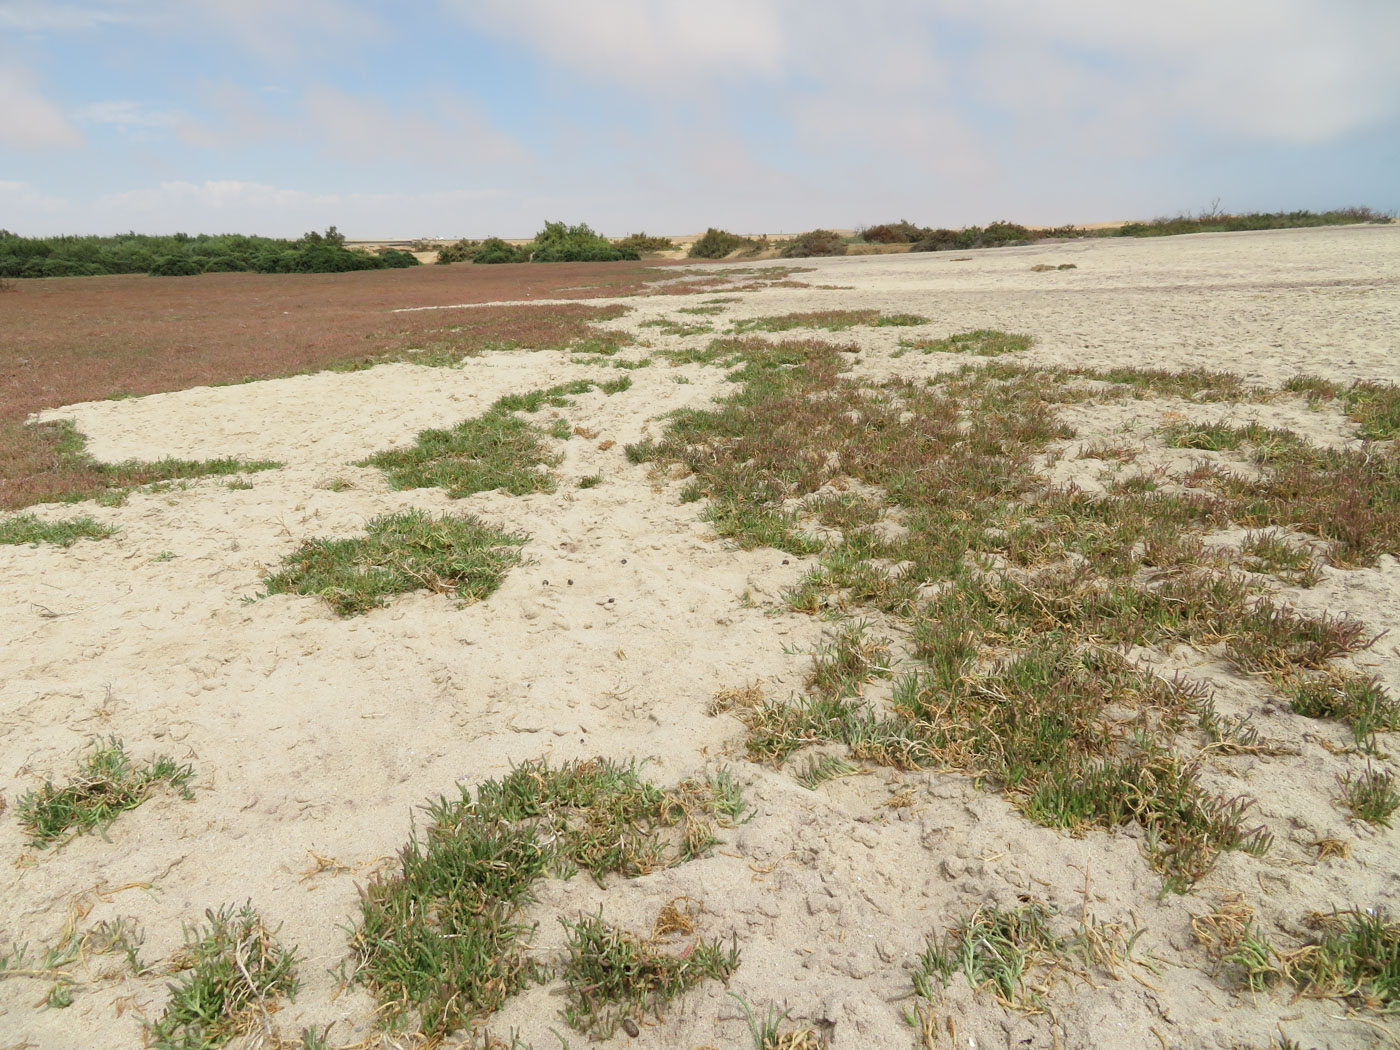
(311, 733)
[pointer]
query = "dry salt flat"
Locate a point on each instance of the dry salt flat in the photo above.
(314, 737)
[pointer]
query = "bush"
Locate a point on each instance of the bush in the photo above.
(463, 251)
(495, 250)
(997, 235)
(1000, 234)
(814, 242)
(717, 244)
(901, 232)
(175, 266)
(560, 243)
(394, 259)
(224, 264)
(644, 245)
(943, 240)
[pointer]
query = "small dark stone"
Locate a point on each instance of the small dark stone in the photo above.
(624, 561)
(571, 583)
(784, 561)
(546, 583)
(630, 1027)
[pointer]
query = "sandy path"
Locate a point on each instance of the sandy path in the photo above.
(309, 733)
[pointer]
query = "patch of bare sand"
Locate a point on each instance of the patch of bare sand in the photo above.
(314, 735)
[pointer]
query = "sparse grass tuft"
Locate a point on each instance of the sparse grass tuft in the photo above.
(822, 768)
(830, 320)
(407, 551)
(26, 528)
(1371, 796)
(768, 1033)
(1275, 553)
(112, 482)
(1362, 702)
(1357, 957)
(106, 785)
(994, 948)
(237, 972)
(677, 328)
(612, 976)
(441, 934)
(984, 342)
(1376, 407)
(496, 450)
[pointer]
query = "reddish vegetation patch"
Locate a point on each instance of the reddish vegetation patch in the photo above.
(82, 339)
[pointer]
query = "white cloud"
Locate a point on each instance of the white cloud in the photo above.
(652, 41)
(444, 129)
(1292, 71)
(279, 31)
(29, 120)
(42, 16)
(1299, 71)
(252, 207)
(128, 116)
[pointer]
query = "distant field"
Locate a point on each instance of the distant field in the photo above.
(69, 340)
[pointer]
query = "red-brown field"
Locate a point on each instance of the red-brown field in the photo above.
(84, 339)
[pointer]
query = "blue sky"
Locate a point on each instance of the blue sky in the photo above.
(475, 117)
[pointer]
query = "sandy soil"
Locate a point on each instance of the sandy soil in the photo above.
(315, 735)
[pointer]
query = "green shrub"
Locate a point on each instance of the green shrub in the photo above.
(814, 242)
(224, 264)
(944, 240)
(560, 243)
(495, 250)
(462, 251)
(394, 259)
(718, 244)
(175, 266)
(644, 245)
(901, 232)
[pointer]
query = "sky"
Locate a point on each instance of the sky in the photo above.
(449, 118)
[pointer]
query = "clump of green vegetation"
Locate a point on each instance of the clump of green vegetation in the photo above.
(830, 320)
(182, 255)
(1357, 957)
(985, 342)
(407, 551)
(995, 235)
(768, 1034)
(1193, 384)
(1273, 552)
(644, 245)
(1362, 702)
(669, 327)
(106, 785)
(496, 450)
(612, 975)
(1371, 796)
(441, 934)
(558, 242)
(236, 973)
(118, 480)
(1376, 407)
(814, 243)
(590, 481)
(27, 528)
(1014, 594)
(1215, 221)
(704, 311)
(1002, 948)
(902, 232)
(463, 250)
(719, 244)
